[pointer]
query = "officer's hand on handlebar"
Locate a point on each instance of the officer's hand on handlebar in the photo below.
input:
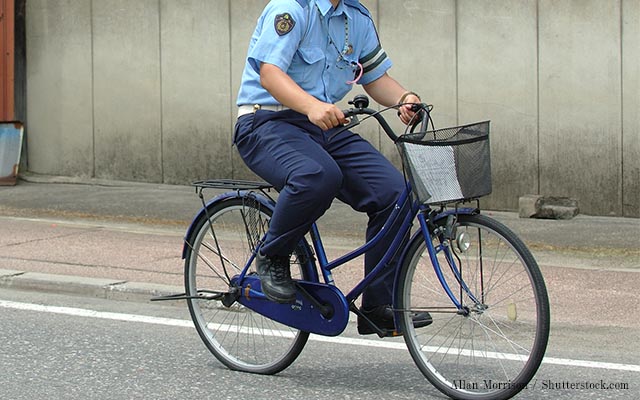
(406, 111)
(327, 116)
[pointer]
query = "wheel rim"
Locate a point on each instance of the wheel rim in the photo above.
(239, 337)
(498, 342)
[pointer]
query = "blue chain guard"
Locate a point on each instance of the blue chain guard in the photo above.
(302, 314)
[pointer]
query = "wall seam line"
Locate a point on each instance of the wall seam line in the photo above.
(378, 26)
(622, 169)
(93, 92)
(538, 169)
(162, 177)
(230, 39)
(457, 44)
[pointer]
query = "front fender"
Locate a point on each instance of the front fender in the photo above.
(262, 199)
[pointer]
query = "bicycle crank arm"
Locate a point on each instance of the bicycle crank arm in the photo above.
(184, 296)
(325, 309)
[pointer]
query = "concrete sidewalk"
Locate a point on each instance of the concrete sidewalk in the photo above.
(123, 240)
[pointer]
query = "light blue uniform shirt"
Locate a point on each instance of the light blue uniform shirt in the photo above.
(317, 46)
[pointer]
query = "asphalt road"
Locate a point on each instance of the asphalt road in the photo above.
(69, 347)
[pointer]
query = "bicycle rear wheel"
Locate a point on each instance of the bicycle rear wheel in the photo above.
(218, 249)
(493, 346)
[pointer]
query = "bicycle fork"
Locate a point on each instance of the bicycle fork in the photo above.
(445, 237)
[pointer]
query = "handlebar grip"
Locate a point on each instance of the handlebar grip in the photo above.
(361, 103)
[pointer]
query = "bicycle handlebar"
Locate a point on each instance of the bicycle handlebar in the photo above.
(361, 103)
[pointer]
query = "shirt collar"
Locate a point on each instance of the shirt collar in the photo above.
(325, 8)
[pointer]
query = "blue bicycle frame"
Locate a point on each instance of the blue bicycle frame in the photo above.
(417, 209)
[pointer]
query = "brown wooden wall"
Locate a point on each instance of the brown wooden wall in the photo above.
(7, 112)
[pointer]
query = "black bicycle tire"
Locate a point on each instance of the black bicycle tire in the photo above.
(542, 304)
(302, 337)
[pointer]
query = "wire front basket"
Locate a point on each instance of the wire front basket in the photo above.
(448, 165)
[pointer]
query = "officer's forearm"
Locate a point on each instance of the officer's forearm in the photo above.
(388, 92)
(385, 90)
(285, 90)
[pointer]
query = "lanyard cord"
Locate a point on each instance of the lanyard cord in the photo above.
(346, 49)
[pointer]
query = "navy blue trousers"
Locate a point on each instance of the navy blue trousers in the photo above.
(310, 168)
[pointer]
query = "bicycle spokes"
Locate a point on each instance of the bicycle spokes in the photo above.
(499, 329)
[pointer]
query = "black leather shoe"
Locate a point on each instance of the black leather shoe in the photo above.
(382, 317)
(275, 278)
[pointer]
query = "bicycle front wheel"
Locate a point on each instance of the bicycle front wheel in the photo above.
(492, 346)
(218, 249)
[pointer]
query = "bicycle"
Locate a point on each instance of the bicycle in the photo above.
(476, 278)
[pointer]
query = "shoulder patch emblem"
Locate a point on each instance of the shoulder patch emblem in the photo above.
(284, 23)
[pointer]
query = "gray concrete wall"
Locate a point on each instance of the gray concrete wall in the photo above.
(631, 107)
(497, 80)
(60, 88)
(145, 90)
(580, 101)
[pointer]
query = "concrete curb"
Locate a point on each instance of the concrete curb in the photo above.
(71, 180)
(109, 289)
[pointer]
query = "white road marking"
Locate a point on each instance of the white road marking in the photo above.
(80, 312)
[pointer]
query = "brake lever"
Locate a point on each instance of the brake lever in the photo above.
(422, 118)
(415, 107)
(353, 121)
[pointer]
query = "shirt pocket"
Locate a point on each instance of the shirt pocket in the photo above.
(306, 68)
(311, 55)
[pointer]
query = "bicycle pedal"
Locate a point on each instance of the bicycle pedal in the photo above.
(389, 333)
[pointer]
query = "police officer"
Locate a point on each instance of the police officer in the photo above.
(304, 56)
